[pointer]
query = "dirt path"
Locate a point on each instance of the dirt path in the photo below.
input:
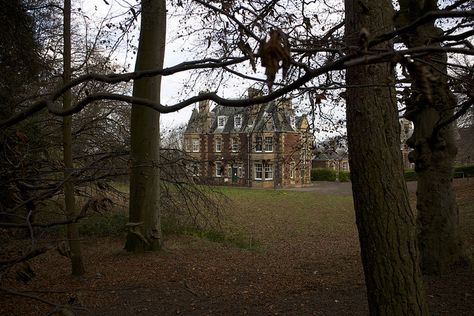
(345, 188)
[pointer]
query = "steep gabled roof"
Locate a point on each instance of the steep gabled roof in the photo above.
(274, 116)
(192, 126)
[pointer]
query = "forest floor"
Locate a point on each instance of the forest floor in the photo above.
(302, 259)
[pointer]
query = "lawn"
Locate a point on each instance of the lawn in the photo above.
(283, 252)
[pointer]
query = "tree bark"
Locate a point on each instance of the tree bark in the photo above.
(77, 265)
(385, 221)
(434, 152)
(144, 214)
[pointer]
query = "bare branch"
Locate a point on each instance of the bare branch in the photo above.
(429, 16)
(30, 255)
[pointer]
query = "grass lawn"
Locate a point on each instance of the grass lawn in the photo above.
(279, 252)
(272, 216)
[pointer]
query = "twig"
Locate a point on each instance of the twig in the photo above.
(28, 256)
(43, 225)
(42, 300)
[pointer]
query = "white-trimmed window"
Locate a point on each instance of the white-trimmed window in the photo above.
(292, 170)
(268, 143)
(258, 171)
(195, 144)
(218, 169)
(258, 143)
(268, 172)
(234, 144)
(218, 145)
(263, 171)
(221, 120)
(238, 121)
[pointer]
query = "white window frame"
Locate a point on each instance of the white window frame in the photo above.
(268, 145)
(258, 143)
(195, 145)
(292, 170)
(268, 171)
(218, 145)
(218, 169)
(258, 169)
(238, 121)
(221, 120)
(234, 147)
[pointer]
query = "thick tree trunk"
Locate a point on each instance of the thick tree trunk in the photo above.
(434, 152)
(384, 218)
(77, 264)
(144, 222)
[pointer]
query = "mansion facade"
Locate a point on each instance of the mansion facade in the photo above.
(264, 145)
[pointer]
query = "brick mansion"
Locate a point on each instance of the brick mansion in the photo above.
(264, 145)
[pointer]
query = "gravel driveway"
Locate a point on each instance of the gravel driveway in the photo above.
(345, 188)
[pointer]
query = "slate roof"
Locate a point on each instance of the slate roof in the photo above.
(263, 114)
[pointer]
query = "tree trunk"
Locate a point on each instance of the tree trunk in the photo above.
(385, 221)
(434, 152)
(77, 265)
(144, 221)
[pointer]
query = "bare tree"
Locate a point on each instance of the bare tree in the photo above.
(145, 226)
(77, 264)
(260, 30)
(383, 220)
(430, 106)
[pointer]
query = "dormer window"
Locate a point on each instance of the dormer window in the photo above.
(238, 121)
(269, 144)
(258, 143)
(195, 145)
(221, 120)
(268, 120)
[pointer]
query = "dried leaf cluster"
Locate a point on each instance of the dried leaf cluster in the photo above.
(275, 54)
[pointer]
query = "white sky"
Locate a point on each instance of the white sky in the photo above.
(97, 10)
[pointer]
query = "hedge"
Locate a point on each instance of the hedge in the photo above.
(410, 175)
(344, 176)
(468, 171)
(321, 174)
(459, 172)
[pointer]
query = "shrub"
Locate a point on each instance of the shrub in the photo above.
(410, 175)
(321, 174)
(459, 172)
(318, 174)
(103, 225)
(344, 176)
(464, 171)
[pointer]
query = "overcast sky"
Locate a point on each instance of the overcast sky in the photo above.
(97, 10)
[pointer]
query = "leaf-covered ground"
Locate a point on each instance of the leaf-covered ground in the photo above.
(302, 259)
